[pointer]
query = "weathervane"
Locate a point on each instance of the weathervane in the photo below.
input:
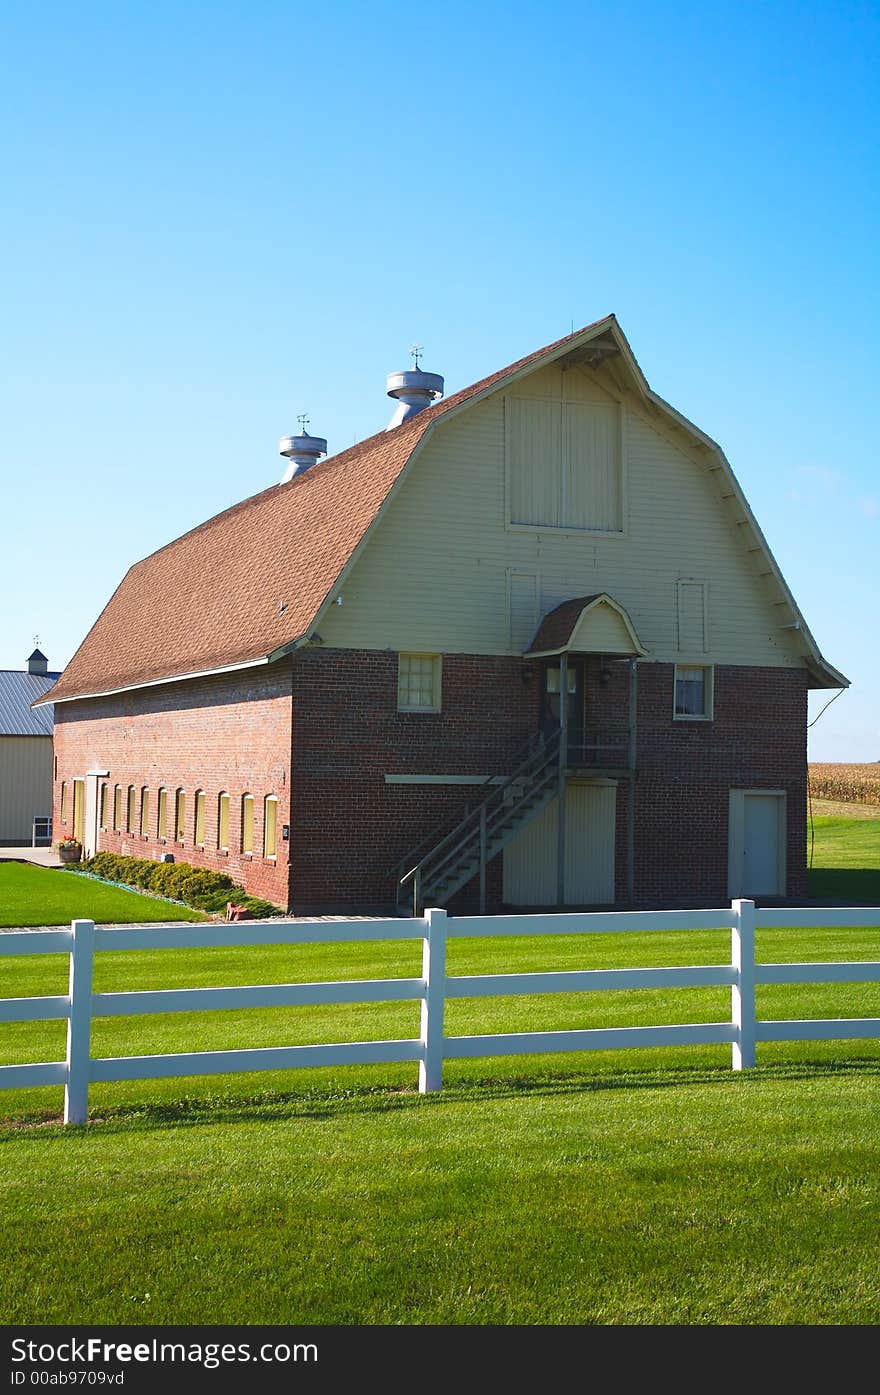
(36, 641)
(304, 421)
(416, 351)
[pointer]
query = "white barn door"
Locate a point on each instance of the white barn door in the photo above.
(530, 858)
(757, 843)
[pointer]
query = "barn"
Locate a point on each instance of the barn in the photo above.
(526, 646)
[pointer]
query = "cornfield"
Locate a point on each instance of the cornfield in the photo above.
(848, 784)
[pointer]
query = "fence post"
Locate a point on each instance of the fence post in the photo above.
(742, 992)
(79, 1022)
(433, 1003)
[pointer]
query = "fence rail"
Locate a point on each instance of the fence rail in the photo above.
(80, 1005)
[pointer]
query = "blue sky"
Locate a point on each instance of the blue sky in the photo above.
(217, 216)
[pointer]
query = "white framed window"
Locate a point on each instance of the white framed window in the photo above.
(162, 814)
(419, 681)
(693, 693)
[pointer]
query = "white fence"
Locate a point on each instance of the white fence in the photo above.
(742, 974)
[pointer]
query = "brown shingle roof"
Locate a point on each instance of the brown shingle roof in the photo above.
(557, 627)
(212, 597)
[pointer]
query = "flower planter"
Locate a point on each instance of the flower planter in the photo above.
(71, 854)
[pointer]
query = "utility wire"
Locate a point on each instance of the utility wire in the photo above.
(838, 694)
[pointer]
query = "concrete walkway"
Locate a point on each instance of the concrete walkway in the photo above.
(41, 857)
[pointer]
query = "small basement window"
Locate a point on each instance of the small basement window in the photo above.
(419, 678)
(693, 694)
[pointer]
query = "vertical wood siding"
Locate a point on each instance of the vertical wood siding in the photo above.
(530, 858)
(25, 785)
(592, 465)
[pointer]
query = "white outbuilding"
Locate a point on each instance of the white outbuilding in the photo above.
(25, 753)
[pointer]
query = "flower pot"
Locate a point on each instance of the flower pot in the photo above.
(70, 854)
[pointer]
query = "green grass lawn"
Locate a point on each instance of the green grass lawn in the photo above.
(643, 1187)
(846, 859)
(32, 895)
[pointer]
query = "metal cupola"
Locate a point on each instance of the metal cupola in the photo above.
(413, 389)
(302, 451)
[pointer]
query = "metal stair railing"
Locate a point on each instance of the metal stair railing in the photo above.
(472, 837)
(530, 747)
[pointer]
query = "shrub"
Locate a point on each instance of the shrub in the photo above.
(178, 881)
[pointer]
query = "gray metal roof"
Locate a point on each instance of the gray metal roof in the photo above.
(17, 691)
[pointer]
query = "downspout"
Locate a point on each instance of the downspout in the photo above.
(563, 773)
(631, 794)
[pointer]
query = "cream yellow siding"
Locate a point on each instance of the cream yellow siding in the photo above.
(602, 631)
(444, 571)
(25, 785)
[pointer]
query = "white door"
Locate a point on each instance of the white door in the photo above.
(92, 794)
(530, 859)
(757, 843)
(90, 833)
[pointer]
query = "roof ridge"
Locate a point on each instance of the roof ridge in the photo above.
(249, 581)
(422, 420)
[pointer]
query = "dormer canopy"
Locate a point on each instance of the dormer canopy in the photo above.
(587, 625)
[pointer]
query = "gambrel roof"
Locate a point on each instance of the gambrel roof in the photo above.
(567, 628)
(250, 585)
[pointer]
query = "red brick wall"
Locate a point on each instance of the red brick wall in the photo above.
(230, 733)
(756, 740)
(349, 829)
